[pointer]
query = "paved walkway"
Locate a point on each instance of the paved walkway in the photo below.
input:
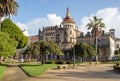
(103, 72)
(14, 73)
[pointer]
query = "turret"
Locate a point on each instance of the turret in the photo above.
(112, 32)
(68, 18)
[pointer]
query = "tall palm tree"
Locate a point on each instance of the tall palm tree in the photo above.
(7, 8)
(96, 26)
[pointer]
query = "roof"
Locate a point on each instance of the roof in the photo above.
(68, 18)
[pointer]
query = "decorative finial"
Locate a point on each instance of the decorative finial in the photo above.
(68, 12)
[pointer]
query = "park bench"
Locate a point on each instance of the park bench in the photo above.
(62, 66)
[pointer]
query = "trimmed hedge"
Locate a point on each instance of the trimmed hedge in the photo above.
(58, 62)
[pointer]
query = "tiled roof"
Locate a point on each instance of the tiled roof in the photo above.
(67, 19)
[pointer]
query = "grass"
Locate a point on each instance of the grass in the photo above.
(2, 69)
(36, 69)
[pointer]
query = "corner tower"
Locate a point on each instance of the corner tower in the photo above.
(69, 34)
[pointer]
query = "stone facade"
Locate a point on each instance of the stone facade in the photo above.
(64, 35)
(106, 44)
(67, 35)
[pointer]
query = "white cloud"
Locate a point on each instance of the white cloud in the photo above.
(111, 18)
(33, 26)
(23, 27)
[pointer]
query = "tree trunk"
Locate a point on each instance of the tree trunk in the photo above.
(96, 48)
(1, 59)
(42, 59)
(82, 59)
(0, 24)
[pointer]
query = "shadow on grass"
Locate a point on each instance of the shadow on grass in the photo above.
(21, 65)
(31, 65)
(24, 71)
(3, 64)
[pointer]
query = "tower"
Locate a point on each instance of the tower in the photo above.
(112, 32)
(69, 33)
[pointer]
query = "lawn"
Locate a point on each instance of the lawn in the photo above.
(2, 69)
(36, 69)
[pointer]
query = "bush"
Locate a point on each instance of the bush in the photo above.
(49, 62)
(117, 67)
(60, 62)
(117, 64)
(10, 60)
(68, 62)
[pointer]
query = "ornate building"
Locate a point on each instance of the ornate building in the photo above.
(67, 35)
(64, 35)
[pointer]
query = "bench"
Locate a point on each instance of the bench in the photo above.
(62, 66)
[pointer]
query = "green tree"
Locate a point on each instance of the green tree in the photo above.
(54, 48)
(42, 48)
(7, 46)
(7, 8)
(14, 32)
(96, 26)
(116, 52)
(48, 47)
(84, 50)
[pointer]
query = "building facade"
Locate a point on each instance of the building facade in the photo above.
(106, 44)
(67, 35)
(64, 35)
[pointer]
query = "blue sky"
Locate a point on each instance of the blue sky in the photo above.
(34, 14)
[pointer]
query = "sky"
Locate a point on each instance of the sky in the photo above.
(34, 14)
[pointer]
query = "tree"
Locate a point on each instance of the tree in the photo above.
(96, 26)
(32, 49)
(14, 32)
(84, 50)
(48, 47)
(7, 8)
(116, 52)
(7, 46)
(42, 48)
(54, 48)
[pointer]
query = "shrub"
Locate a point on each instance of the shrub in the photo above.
(10, 60)
(117, 64)
(60, 62)
(117, 67)
(49, 62)
(68, 62)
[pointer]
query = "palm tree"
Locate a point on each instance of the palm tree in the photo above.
(96, 26)
(7, 8)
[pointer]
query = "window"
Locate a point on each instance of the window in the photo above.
(117, 45)
(70, 32)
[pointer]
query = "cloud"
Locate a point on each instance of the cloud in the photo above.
(111, 18)
(23, 27)
(33, 26)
